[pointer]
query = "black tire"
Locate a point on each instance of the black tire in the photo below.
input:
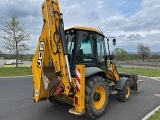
(96, 97)
(124, 94)
(55, 102)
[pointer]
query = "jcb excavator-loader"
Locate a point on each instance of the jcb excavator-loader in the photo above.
(72, 66)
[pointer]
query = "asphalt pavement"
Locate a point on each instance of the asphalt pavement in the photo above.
(16, 103)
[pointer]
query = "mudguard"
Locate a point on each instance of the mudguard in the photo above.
(121, 82)
(89, 71)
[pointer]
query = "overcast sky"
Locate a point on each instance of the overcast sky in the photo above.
(131, 21)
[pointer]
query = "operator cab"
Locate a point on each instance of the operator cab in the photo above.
(85, 46)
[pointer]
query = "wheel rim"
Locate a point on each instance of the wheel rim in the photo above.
(127, 91)
(99, 97)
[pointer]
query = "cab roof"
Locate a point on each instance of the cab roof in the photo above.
(85, 28)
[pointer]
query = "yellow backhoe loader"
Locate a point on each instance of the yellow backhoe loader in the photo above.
(74, 66)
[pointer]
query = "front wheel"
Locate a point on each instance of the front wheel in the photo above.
(124, 94)
(96, 97)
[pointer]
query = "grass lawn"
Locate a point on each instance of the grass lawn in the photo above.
(155, 116)
(12, 71)
(141, 71)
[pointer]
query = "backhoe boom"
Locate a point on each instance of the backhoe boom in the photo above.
(51, 53)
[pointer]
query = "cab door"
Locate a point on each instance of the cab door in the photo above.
(101, 52)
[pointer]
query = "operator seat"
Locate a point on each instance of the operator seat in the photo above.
(79, 56)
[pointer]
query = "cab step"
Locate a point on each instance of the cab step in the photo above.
(113, 92)
(111, 84)
(73, 111)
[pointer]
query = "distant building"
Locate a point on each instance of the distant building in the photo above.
(12, 61)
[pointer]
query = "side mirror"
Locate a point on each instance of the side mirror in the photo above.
(111, 57)
(114, 41)
(105, 58)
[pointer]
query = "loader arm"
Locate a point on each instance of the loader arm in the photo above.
(50, 66)
(112, 73)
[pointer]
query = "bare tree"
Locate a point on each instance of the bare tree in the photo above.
(120, 54)
(143, 50)
(15, 37)
(1, 53)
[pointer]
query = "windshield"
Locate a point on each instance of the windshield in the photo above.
(86, 50)
(82, 46)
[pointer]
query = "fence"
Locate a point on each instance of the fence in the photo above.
(148, 63)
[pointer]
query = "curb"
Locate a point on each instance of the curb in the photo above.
(153, 78)
(151, 113)
(16, 76)
(156, 78)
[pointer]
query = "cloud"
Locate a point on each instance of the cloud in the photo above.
(80, 13)
(132, 22)
(28, 13)
(19, 8)
(134, 37)
(139, 27)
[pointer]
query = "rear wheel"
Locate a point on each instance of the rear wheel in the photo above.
(96, 97)
(124, 94)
